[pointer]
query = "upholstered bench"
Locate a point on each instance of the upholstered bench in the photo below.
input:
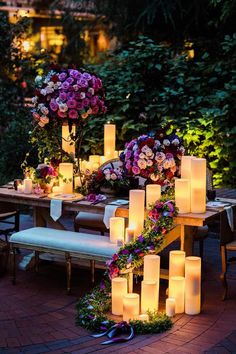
(68, 243)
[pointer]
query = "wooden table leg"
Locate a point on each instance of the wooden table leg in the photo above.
(42, 218)
(186, 239)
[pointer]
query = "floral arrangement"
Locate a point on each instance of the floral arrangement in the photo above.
(156, 158)
(45, 173)
(110, 177)
(159, 220)
(67, 94)
(93, 309)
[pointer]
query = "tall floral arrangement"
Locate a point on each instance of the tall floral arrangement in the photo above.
(156, 158)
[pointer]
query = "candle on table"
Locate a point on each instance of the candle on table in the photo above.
(176, 291)
(149, 296)
(27, 185)
(176, 263)
(77, 182)
(198, 185)
(153, 193)
(56, 189)
(118, 290)
(117, 227)
(129, 235)
(183, 195)
(20, 188)
(193, 285)
(130, 306)
(136, 210)
(68, 145)
(109, 140)
(185, 168)
(170, 307)
(66, 181)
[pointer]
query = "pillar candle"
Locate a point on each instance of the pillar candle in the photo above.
(129, 235)
(56, 189)
(83, 165)
(185, 168)
(28, 185)
(116, 154)
(66, 170)
(193, 285)
(149, 296)
(182, 195)
(94, 159)
(198, 185)
(68, 145)
(153, 193)
(151, 268)
(109, 140)
(170, 307)
(130, 306)
(143, 317)
(117, 227)
(176, 263)
(20, 188)
(136, 210)
(77, 182)
(103, 159)
(176, 291)
(118, 290)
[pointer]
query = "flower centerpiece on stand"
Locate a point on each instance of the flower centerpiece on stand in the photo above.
(154, 157)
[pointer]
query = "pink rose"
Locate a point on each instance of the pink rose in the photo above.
(135, 170)
(73, 114)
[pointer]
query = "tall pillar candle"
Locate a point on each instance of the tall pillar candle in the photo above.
(198, 185)
(66, 181)
(118, 290)
(149, 296)
(117, 229)
(130, 306)
(185, 168)
(109, 140)
(170, 307)
(68, 145)
(27, 183)
(176, 291)
(153, 193)
(136, 210)
(193, 285)
(129, 235)
(182, 195)
(151, 268)
(176, 263)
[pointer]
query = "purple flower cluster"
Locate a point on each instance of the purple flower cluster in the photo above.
(155, 158)
(68, 94)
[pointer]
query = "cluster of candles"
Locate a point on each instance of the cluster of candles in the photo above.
(190, 189)
(184, 289)
(25, 187)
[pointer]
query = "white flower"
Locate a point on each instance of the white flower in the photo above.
(157, 143)
(51, 84)
(57, 85)
(49, 89)
(182, 149)
(144, 148)
(63, 107)
(166, 164)
(166, 142)
(142, 156)
(175, 142)
(149, 152)
(108, 177)
(82, 95)
(154, 177)
(149, 163)
(135, 147)
(76, 87)
(142, 164)
(43, 92)
(171, 162)
(44, 110)
(113, 176)
(38, 79)
(160, 156)
(91, 90)
(106, 171)
(34, 99)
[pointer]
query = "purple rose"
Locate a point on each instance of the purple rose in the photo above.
(124, 251)
(169, 155)
(93, 101)
(53, 105)
(73, 114)
(128, 155)
(85, 102)
(80, 106)
(141, 239)
(65, 85)
(75, 74)
(71, 103)
(62, 76)
(137, 251)
(70, 80)
(63, 96)
(82, 82)
(86, 76)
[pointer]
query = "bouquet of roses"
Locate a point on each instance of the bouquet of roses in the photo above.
(45, 173)
(110, 177)
(67, 94)
(156, 158)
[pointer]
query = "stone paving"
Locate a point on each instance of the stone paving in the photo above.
(36, 315)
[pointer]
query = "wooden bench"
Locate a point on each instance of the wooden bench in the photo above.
(67, 243)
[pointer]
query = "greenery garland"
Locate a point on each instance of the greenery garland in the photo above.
(92, 309)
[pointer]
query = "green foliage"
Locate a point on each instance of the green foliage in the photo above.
(158, 323)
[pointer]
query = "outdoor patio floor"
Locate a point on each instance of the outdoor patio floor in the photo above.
(36, 315)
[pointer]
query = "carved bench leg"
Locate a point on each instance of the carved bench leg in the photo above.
(68, 272)
(92, 267)
(223, 271)
(36, 265)
(13, 264)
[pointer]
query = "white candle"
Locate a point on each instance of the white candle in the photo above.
(94, 159)
(185, 168)
(118, 290)
(153, 193)
(68, 145)
(28, 185)
(170, 307)
(20, 188)
(117, 227)
(176, 263)
(176, 291)
(198, 185)
(83, 165)
(151, 268)
(103, 159)
(129, 235)
(116, 154)
(109, 140)
(149, 296)
(182, 195)
(56, 189)
(136, 210)
(66, 181)
(77, 182)
(130, 306)
(193, 285)
(143, 317)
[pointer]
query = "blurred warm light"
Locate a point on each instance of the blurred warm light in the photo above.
(26, 45)
(52, 38)
(103, 43)
(190, 50)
